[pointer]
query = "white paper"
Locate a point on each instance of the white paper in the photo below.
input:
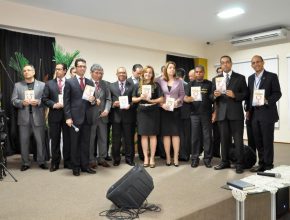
(88, 92)
(220, 83)
(29, 94)
(60, 98)
(146, 90)
(196, 93)
(124, 102)
(258, 97)
(170, 103)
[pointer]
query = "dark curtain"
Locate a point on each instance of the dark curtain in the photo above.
(182, 62)
(39, 51)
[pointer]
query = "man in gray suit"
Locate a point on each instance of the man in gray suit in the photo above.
(27, 98)
(99, 115)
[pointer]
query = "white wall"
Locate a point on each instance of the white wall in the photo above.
(214, 52)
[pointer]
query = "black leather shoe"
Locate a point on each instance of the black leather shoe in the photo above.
(130, 163)
(76, 172)
(89, 170)
(239, 170)
(222, 166)
(194, 163)
(108, 158)
(24, 167)
(259, 168)
(104, 164)
(54, 168)
(207, 164)
(43, 166)
(268, 167)
(116, 163)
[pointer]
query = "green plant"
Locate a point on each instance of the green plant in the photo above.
(18, 63)
(64, 57)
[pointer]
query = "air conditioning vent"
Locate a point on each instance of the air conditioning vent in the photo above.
(268, 36)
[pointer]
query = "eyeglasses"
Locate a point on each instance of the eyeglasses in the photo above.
(58, 69)
(82, 66)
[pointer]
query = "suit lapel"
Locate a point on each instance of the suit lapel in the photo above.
(263, 79)
(174, 85)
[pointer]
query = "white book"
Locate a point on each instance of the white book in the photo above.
(258, 97)
(60, 98)
(240, 184)
(170, 103)
(88, 92)
(124, 102)
(220, 84)
(146, 90)
(196, 93)
(29, 95)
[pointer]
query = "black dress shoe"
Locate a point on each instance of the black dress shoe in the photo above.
(104, 164)
(194, 163)
(259, 168)
(116, 163)
(222, 166)
(43, 166)
(207, 164)
(239, 169)
(130, 163)
(24, 167)
(89, 170)
(108, 158)
(54, 168)
(76, 172)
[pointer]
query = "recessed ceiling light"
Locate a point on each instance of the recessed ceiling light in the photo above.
(231, 13)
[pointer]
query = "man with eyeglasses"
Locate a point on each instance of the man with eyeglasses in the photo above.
(77, 118)
(264, 114)
(53, 99)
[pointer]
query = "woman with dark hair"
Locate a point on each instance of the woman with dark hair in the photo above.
(173, 91)
(148, 95)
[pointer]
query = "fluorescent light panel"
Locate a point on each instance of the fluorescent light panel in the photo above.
(231, 13)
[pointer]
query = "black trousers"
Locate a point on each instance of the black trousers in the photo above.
(216, 140)
(117, 130)
(80, 146)
(264, 139)
(55, 130)
(201, 124)
(185, 139)
(232, 129)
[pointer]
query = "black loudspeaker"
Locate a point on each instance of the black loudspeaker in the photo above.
(282, 201)
(132, 189)
(250, 157)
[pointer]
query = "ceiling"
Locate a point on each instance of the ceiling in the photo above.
(184, 18)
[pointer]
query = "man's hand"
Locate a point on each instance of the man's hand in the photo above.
(25, 102)
(34, 102)
(217, 93)
(104, 114)
(69, 122)
(57, 105)
(98, 102)
(230, 93)
(92, 99)
(116, 104)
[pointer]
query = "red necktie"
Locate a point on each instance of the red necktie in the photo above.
(82, 83)
(59, 86)
(97, 86)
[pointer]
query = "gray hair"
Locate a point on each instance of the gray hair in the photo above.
(200, 67)
(96, 67)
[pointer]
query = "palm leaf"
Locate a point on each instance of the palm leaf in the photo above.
(64, 57)
(18, 63)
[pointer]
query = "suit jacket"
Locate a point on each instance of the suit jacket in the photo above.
(23, 111)
(231, 108)
(176, 91)
(49, 98)
(186, 107)
(104, 95)
(75, 107)
(270, 83)
(118, 115)
(130, 80)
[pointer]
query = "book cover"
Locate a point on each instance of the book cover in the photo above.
(240, 184)
(88, 92)
(220, 83)
(146, 90)
(29, 95)
(258, 97)
(60, 98)
(170, 103)
(124, 102)
(196, 93)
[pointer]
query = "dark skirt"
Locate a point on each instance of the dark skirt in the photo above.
(148, 121)
(170, 122)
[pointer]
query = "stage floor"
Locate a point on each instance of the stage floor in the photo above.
(181, 192)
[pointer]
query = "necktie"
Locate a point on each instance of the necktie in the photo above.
(97, 86)
(122, 88)
(59, 86)
(82, 85)
(227, 79)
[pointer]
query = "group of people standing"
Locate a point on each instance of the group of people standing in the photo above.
(83, 109)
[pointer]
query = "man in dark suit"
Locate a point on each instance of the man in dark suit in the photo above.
(123, 120)
(99, 114)
(263, 116)
(229, 114)
(134, 80)
(76, 108)
(53, 99)
(26, 97)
